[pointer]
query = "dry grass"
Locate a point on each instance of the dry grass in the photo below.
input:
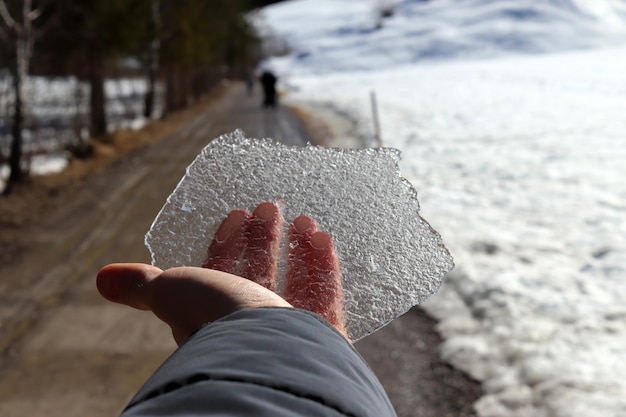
(319, 132)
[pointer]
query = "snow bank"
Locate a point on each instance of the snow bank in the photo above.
(519, 164)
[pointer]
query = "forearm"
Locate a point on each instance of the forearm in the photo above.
(255, 355)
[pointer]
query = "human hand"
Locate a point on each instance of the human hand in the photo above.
(185, 298)
(245, 244)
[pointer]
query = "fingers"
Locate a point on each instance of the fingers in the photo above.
(244, 244)
(127, 283)
(262, 243)
(228, 245)
(247, 245)
(313, 276)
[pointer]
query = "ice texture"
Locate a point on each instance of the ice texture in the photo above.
(391, 259)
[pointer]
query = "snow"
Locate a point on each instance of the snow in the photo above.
(57, 117)
(509, 116)
(332, 35)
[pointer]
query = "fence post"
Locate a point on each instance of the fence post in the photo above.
(377, 136)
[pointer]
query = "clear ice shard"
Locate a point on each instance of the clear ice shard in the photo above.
(391, 259)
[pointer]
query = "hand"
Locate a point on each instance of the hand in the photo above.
(247, 245)
(185, 298)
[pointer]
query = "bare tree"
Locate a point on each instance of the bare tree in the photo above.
(153, 57)
(18, 34)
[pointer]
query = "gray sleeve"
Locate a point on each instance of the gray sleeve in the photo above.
(263, 362)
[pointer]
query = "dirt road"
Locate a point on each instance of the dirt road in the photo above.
(66, 352)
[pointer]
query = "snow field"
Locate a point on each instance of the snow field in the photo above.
(518, 162)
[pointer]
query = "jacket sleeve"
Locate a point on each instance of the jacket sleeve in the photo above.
(263, 362)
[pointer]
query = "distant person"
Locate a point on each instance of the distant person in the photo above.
(244, 350)
(249, 83)
(268, 81)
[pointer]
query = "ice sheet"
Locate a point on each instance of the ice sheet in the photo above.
(391, 258)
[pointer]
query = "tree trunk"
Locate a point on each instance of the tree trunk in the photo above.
(96, 81)
(175, 89)
(153, 59)
(24, 37)
(153, 64)
(19, 73)
(149, 99)
(170, 87)
(15, 159)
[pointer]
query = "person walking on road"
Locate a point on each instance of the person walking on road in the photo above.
(268, 82)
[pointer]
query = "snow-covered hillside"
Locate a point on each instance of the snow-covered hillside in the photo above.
(328, 35)
(510, 118)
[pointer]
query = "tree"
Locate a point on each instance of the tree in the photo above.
(112, 29)
(92, 36)
(18, 33)
(194, 47)
(201, 43)
(192, 44)
(153, 56)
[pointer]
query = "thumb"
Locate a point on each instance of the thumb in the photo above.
(127, 283)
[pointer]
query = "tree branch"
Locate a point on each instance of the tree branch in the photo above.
(34, 14)
(6, 16)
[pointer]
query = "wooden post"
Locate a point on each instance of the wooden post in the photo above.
(377, 135)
